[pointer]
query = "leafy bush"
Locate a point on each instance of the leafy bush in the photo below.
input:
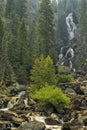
(63, 69)
(42, 72)
(62, 78)
(4, 90)
(51, 95)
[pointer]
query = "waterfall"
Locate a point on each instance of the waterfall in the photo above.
(71, 27)
(42, 119)
(67, 52)
(26, 102)
(12, 102)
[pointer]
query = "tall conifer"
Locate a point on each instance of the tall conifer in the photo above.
(45, 30)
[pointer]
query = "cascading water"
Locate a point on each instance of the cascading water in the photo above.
(71, 27)
(12, 102)
(67, 52)
(42, 119)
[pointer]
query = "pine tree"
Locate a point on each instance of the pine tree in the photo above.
(45, 30)
(14, 23)
(42, 72)
(10, 7)
(1, 8)
(54, 6)
(83, 18)
(31, 44)
(1, 36)
(22, 52)
(21, 8)
(6, 69)
(55, 11)
(32, 10)
(13, 44)
(1, 30)
(22, 41)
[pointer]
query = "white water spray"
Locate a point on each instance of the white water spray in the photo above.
(71, 26)
(66, 52)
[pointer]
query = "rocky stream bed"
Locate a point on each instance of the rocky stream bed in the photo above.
(23, 113)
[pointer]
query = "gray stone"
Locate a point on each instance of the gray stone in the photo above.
(32, 126)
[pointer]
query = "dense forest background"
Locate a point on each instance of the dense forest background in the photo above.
(29, 28)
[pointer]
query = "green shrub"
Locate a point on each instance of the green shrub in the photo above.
(62, 78)
(4, 90)
(51, 95)
(63, 69)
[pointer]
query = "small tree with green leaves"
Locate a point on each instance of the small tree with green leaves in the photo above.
(43, 71)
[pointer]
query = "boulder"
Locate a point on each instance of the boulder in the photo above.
(11, 116)
(47, 110)
(85, 122)
(66, 127)
(32, 126)
(84, 89)
(5, 125)
(51, 121)
(70, 92)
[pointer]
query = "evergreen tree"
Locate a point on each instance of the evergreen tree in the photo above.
(55, 11)
(22, 52)
(13, 44)
(21, 8)
(22, 41)
(1, 8)
(1, 36)
(1, 30)
(54, 6)
(43, 71)
(10, 7)
(45, 30)
(83, 18)
(32, 10)
(14, 23)
(31, 44)
(6, 69)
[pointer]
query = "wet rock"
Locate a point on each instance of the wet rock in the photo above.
(78, 127)
(77, 101)
(84, 103)
(32, 126)
(70, 92)
(85, 122)
(11, 117)
(47, 110)
(66, 127)
(51, 121)
(84, 89)
(17, 120)
(54, 116)
(5, 125)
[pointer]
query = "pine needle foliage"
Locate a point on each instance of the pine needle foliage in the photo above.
(42, 72)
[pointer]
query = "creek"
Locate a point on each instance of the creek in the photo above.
(15, 101)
